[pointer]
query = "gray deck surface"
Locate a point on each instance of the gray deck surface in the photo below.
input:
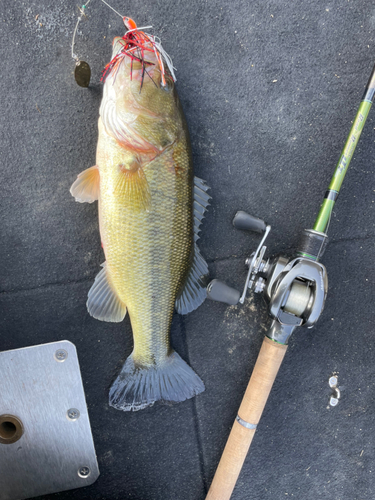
(269, 89)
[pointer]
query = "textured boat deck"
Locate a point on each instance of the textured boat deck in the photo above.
(269, 90)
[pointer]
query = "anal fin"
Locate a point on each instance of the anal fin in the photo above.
(103, 302)
(86, 186)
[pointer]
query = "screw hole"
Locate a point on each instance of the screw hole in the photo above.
(7, 430)
(11, 429)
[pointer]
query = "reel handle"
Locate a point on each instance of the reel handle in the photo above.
(219, 291)
(268, 363)
(246, 222)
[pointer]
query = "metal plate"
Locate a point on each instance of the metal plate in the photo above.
(42, 388)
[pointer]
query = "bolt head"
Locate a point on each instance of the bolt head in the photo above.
(61, 355)
(73, 414)
(84, 471)
(259, 285)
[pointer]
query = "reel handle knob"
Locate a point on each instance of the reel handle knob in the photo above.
(247, 222)
(219, 291)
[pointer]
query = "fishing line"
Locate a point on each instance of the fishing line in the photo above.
(80, 18)
(114, 10)
(82, 72)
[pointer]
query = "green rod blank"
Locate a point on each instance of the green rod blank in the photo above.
(326, 208)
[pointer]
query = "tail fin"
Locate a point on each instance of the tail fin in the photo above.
(138, 387)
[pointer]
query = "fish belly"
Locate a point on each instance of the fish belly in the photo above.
(148, 250)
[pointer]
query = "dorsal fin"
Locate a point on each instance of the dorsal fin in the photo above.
(201, 202)
(194, 292)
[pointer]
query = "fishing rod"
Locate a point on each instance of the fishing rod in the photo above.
(295, 288)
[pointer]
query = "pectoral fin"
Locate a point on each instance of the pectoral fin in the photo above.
(132, 186)
(86, 186)
(103, 302)
(194, 292)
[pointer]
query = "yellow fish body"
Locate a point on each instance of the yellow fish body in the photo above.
(150, 209)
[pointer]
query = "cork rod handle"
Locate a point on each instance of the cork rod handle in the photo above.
(268, 363)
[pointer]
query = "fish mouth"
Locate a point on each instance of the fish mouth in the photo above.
(147, 56)
(138, 62)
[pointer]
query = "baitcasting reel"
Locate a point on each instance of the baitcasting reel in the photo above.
(296, 288)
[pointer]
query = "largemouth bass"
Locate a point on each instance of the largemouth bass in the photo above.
(150, 210)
